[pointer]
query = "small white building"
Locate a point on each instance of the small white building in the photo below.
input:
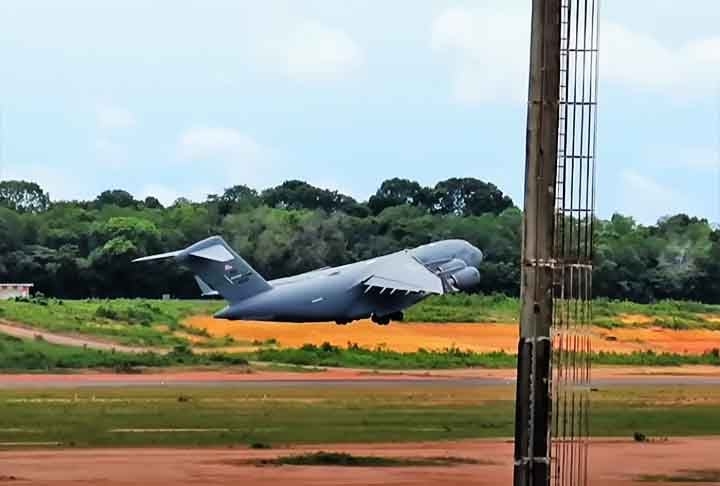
(12, 290)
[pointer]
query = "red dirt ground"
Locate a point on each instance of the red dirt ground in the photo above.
(479, 337)
(615, 462)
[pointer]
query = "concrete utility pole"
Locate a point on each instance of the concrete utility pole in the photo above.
(532, 416)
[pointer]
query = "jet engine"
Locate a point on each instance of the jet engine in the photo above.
(452, 266)
(465, 279)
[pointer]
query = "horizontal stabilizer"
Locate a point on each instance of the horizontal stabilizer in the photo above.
(160, 256)
(216, 253)
(219, 270)
(205, 289)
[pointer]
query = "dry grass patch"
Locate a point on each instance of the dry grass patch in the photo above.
(706, 476)
(344, 459)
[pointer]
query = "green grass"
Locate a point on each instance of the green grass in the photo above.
(313, 414)
(127, 321)
(465, 308)
(38, 355)
(358, 357)
(354, 356)
(706, 476)
(651, 358)
(291, 368)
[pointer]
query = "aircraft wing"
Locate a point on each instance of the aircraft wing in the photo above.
(401, 272)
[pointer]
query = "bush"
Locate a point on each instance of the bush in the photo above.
(260, 445)
(106, 312)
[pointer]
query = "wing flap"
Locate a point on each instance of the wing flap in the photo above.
(402, 272)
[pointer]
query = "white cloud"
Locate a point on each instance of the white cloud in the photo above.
(645, 198)
(700, 159)
(488, 47)
(112, 124)
(114, 117)
(110, 154)
(218, 144)
(227, 156)
(687, 70)
(317, 52)
(306, 50)
(58, 183)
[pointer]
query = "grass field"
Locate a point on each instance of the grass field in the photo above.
(358, 357)
(269, 417)
(160, 323)
(37, 355)
(179, 325)
(606, 313)
(134, 322)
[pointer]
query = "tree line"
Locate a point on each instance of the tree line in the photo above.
(78, 249)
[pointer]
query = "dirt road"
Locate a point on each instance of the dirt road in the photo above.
(22, 332)
(612, 463)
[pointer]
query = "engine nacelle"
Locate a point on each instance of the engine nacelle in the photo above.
(465, 279)
(452, 266)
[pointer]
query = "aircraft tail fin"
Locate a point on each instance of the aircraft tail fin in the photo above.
(218, 269)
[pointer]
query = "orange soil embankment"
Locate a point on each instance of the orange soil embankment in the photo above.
(478, 337)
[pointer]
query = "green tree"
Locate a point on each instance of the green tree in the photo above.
(397, 192)
(296, 194)
(116, 197)
(23, 196)
(469, 197)
(152, 202)
(235, 199)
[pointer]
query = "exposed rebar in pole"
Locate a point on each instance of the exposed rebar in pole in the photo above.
(532, 414)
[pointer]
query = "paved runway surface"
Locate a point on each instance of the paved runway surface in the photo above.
(336, 378)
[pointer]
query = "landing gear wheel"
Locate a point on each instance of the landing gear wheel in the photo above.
(381, 320)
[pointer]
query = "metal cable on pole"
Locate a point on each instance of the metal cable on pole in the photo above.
(553, 380)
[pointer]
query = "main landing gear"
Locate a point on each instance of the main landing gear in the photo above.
(381, 320)
(384, 320)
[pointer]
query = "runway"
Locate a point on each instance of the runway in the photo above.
(602, 377)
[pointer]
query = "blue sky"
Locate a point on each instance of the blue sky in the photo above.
(183, 98)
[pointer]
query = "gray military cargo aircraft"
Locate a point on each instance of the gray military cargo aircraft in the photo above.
(379, 288)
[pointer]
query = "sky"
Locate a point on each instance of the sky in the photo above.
(186, 97)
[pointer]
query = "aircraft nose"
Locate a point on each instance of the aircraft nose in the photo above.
(475, 257)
